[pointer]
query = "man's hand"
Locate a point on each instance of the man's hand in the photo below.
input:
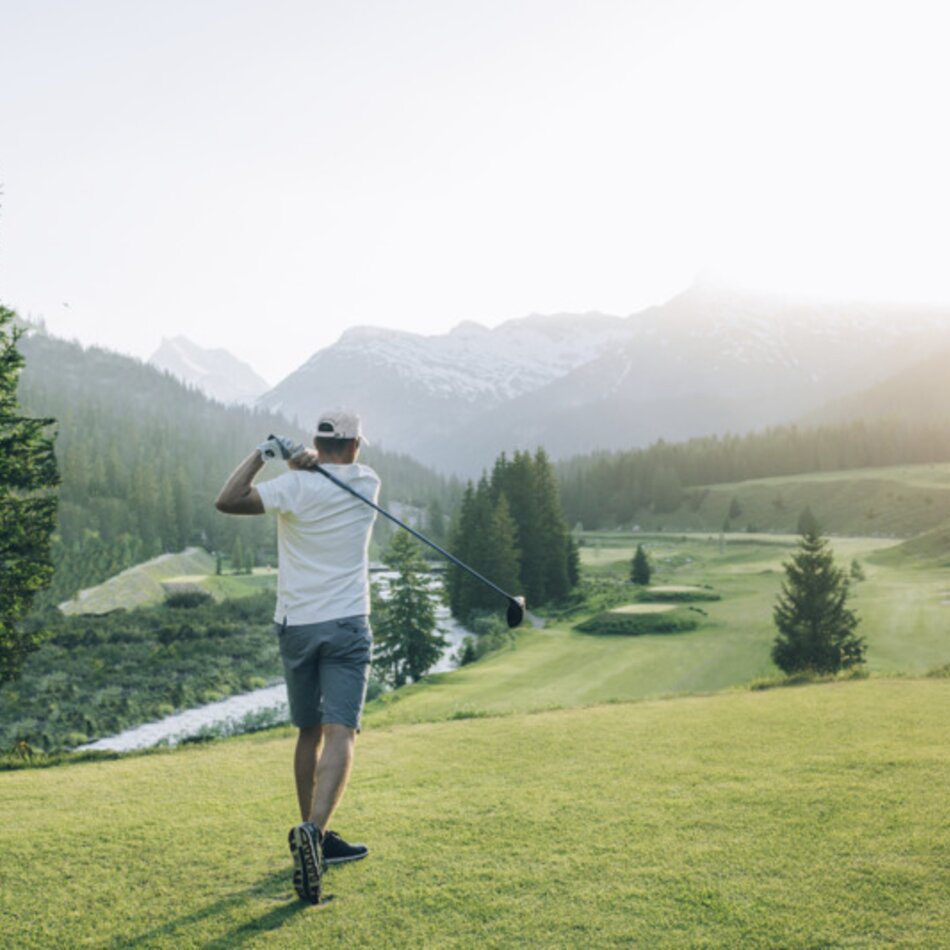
(306, 459)
(279, 447)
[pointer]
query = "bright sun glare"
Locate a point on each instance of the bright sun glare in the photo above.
(835, 183)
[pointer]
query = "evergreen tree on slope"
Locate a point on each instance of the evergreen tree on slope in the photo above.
(28, 475)
(408, 642)
(816, 628)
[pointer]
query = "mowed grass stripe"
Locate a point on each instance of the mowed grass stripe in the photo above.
(813, 816)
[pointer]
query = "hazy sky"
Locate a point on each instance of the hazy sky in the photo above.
(262, 175)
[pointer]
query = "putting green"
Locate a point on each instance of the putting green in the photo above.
(674, 589)
(644, 609)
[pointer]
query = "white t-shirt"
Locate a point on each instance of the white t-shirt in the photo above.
(322, 542)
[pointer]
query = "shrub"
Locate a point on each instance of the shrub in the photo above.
(611, 623)
(491, 634)
(660, 595)
(188, 599)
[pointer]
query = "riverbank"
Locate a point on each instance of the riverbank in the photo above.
(237, 714)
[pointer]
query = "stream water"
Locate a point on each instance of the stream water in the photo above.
(270, 702)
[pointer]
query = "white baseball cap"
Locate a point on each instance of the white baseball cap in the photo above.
(340, 424)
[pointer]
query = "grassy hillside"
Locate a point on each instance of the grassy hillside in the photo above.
(140, 585)
(803, 817)
(145, 583)
(901, 605)
(885, 502)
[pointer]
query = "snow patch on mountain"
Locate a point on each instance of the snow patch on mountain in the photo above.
(217, 373)
(476, 364)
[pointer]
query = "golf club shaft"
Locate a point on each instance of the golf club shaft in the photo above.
(413, 532)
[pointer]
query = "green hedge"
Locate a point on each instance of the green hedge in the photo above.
(631, 625)
(649, 595)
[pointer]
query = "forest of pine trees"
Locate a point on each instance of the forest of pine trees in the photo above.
(608, 489)
(511, 528)
(142, 458)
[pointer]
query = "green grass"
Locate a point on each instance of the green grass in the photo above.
(904, 619)
(141, 585)
(231, 586)
(814, 816)
(548, 796)
(899, 501)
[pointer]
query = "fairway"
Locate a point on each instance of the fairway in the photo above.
(798, 817)
(895, 501)
(903, 618)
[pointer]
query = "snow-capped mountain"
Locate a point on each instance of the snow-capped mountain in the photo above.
(410, 387)
(708, 362)
(711, 360)
(217, 373)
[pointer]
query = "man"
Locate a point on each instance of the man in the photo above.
(321, 618)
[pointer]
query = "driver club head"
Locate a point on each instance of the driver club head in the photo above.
(516, 607)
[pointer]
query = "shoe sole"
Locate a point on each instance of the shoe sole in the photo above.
(306, 865)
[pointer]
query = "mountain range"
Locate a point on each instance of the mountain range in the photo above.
(217, 373)
(711, 360)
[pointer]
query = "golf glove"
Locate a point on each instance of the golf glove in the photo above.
(279, 447)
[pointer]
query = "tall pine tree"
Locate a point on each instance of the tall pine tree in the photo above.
(552, 530)
(407, 639)
(28, 477)
(511, 529)
(816, 628)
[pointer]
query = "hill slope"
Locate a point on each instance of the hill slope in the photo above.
(801, 817)
(915, 395)
(901, 606)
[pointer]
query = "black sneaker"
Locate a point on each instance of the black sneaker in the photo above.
(338, 851)
(304, 841)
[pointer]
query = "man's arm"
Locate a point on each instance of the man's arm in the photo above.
(239, 496)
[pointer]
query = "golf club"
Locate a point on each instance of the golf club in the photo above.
(516, 605)
(280, 447)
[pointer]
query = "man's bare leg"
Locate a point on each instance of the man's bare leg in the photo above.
(305, 767)
(332, 773)
(323, 759)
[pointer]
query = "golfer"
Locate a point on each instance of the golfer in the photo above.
(321, 619)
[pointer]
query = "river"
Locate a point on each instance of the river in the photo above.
(266, 705)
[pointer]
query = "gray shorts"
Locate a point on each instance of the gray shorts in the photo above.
(326, 666)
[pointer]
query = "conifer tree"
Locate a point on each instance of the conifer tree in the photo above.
(406, 635)
(816, 628)
(237, 556)
(807, 522)
(491, 545)
(505, 568)
(573, 562)
(457, 583)
(28, 476)
(552, 529)
(435, 520)
(640, 570)
(519, 485)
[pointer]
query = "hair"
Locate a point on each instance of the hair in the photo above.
(335, 448)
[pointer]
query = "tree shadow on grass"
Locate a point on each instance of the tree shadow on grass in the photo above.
(272, 888)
